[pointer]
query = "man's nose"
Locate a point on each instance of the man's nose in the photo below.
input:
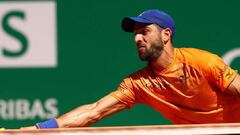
(137, 38)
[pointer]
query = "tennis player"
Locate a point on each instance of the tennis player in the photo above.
(186, 85)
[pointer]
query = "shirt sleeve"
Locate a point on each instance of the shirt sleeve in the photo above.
(125, 93)
(219, 73)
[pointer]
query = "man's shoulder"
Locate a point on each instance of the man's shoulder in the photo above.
(140, 72)
(195, 55)
(194, 51)
(136, 77)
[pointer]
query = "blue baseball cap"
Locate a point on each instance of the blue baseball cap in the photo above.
(151, 16)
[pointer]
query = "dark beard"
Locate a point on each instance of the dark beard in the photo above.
(152, 53)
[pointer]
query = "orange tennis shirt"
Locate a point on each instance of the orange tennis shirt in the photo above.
(192, 89)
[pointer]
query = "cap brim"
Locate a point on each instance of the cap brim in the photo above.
(129, 22)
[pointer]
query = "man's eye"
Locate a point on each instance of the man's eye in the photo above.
(145, 32)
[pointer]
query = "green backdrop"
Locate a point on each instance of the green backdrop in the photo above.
(94, 54)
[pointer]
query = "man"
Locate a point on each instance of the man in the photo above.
(185, 85)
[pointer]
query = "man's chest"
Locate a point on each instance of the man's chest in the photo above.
(185, 87)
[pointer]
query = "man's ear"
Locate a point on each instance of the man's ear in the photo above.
(167, 34)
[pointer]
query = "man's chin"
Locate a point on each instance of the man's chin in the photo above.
(143, 58)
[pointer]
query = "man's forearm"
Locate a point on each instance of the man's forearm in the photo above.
(88, 114)
(84, 115)
(80, 117)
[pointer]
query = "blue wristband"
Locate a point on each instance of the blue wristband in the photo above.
(52, 123)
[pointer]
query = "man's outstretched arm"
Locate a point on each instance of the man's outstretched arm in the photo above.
(88, 114)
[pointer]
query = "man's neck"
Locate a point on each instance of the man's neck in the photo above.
(164, 60)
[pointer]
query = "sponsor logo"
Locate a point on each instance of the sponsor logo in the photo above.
(28, 34)
(22, 109)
